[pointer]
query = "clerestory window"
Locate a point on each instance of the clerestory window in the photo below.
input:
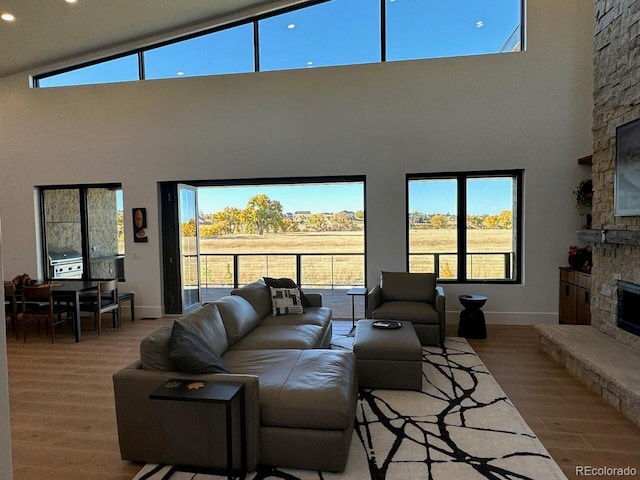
(317, 34)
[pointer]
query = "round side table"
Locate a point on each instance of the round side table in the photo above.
(472, 324)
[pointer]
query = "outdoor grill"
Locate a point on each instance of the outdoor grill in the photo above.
(65, 263)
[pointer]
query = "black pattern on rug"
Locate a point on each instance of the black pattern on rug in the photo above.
(461, 425)
(432, 433)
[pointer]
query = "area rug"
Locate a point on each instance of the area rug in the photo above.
(461, 425)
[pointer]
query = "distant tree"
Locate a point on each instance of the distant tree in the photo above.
(262, 214)
(438, 220)
(491, 221)
(290, 225)
(227, 220)
(505, 219)
(189, 228)
(360, 214)
(341, 222)
(317, 222)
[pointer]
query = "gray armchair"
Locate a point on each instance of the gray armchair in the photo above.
(410, 297)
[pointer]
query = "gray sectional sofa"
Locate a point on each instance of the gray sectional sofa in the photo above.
(300, 396)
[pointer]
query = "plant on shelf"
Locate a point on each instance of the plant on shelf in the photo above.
(584, 196)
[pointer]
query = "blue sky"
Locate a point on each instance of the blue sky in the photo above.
(485, 196)
(316, 198)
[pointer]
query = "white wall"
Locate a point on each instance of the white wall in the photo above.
(528, 110)
(6, 469)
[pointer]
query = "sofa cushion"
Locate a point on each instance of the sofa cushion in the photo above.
(285, 301)
(414, 312)
(287, 283)
(190, 353)
(258, 295)
(281, 337)
(312, 316)
(238, 316)
(408, 287)
(154, 350)
(302, 389)
(207, 324)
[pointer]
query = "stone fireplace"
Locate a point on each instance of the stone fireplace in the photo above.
(615, 240)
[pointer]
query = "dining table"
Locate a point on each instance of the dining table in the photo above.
(70, 291)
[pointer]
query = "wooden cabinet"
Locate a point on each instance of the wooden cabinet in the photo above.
(575, 297)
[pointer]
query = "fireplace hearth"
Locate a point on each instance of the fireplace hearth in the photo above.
(629, 307)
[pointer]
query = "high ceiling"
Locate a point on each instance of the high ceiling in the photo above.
(49, 31)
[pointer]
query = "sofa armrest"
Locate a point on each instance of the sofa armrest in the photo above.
(147, 433)
(315, 299)
(374, 297)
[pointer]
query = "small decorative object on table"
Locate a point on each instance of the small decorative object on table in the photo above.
(580, 258)
(389, 324)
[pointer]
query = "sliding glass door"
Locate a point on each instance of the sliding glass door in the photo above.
(189, 254)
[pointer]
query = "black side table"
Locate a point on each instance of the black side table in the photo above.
(353, 292)
(210, 392)
(472, 324)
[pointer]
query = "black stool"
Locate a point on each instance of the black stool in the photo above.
(472, 324)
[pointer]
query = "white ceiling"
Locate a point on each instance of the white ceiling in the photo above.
(51, 31)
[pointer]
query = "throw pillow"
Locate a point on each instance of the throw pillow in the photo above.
(190, 354)
(287, 283)
(286, 301)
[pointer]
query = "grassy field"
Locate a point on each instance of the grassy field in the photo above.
(343, 261)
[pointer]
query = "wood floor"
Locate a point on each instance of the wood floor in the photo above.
(63, 417)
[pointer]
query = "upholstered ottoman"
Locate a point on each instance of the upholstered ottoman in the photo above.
(388, 358)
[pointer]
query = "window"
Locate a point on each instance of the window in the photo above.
(83, 231)
(417, 30)
(309, 229)
(225, 51)
(311, 37)
(122, 69)
(318, 33)
(486, 246)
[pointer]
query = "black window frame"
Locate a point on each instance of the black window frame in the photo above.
(461, 189)
(84, 229)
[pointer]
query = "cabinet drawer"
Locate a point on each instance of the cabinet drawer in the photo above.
(567, 275)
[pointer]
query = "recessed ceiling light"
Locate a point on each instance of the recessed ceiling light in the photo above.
(291, 26)
(309, 63)
(7, 17)
(180, 73)
(71, 1)
(479, 24)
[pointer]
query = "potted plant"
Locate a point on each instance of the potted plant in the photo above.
(584, 196)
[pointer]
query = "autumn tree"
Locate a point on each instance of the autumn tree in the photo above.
(189, 228)
(317, 222)
(438, 220)
(262, 214)
(341, 222)
(227, 220)
(505, 219)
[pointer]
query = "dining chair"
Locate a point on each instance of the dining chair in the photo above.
(37, 302)
(106, 300)
(11, 305)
